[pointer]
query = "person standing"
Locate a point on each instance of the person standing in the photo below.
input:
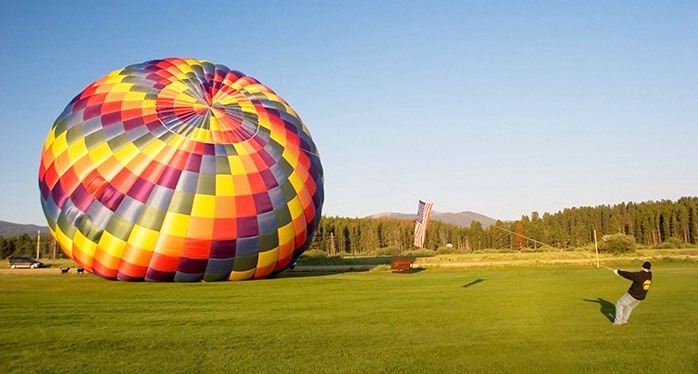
(642, 281)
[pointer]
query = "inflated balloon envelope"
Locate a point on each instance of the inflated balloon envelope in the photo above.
(181, 170)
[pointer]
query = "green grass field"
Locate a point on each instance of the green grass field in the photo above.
(505, 320)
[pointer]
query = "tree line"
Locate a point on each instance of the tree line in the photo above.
(653, 223)
(25, 245)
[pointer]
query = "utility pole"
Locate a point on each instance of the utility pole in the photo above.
(38, 242)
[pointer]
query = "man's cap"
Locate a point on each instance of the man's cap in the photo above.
(647, 265)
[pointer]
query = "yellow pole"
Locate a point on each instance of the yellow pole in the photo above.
(596, 246)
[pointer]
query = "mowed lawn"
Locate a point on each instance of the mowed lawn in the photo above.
(517, 320)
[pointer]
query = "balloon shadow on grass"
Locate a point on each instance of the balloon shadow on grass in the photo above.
(476, 281)
(608, 310)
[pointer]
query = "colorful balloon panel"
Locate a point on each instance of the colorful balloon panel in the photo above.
(180, 170)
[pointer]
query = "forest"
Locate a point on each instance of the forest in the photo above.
(663, 223)
(658, 224)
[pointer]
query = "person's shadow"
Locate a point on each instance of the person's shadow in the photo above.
(607, 308)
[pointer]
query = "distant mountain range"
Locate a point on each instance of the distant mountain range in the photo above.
(9, 229)
(462, 219)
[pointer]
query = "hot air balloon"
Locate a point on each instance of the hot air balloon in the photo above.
(181, 170)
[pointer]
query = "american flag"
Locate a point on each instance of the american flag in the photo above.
(420, 230)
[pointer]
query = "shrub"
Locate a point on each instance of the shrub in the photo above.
(617, 243)
(380, 268)
(590, 247)
(315, 253)
(672, 243)
(446, 250)
(419, 253)
(388, 251)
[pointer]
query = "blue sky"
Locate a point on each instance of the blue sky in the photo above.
(501, 108)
